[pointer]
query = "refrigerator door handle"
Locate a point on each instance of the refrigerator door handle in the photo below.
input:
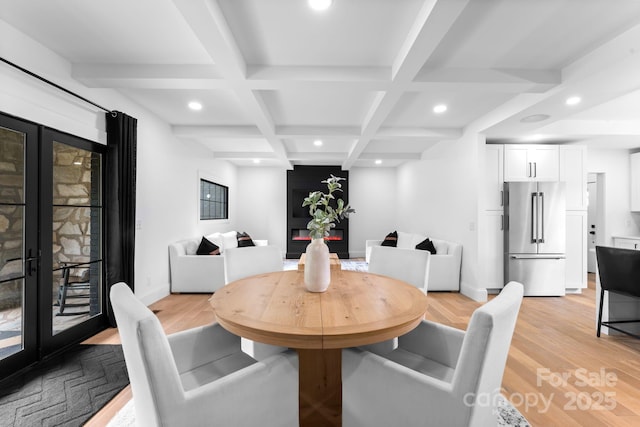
(534, 218)
(541, 217)
(528, 256)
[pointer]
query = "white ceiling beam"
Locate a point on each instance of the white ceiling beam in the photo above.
(243, 155)
(210, 26)
(489, 80)
(311, 132)
(317, 131)
(418, 133)
(430, 26)
(229, 132)
(301, 156)
(201, 76)
(591, 128)
(391, 156)
(318, 73)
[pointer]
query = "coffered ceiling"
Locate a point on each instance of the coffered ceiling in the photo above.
(273, 76)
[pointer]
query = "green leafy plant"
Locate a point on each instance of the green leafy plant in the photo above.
(323, 215)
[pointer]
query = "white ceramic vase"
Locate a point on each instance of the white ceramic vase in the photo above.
(317, 274)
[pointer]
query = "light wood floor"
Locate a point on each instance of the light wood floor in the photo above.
(554, 339)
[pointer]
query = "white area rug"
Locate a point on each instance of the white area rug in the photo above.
(508, 416)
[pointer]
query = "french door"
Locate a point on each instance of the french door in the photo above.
(51, 241)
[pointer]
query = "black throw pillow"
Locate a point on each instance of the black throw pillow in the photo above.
(391, 239)
(207, 248)
(244, 240)
(426, 245)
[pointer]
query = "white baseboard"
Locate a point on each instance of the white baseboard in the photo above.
(472, 292)
(155, 294)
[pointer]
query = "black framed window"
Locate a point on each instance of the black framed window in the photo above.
(214, 200)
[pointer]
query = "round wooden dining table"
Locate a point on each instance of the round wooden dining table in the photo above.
(357, 309)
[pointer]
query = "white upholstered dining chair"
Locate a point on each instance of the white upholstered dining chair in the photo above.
(200, 376)
(408, 265)
(250, 261)
(438, 375)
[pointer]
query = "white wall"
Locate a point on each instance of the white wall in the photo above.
(167, 168)
(438, 197)
(262, 204)
(619, 220)
(373, 194)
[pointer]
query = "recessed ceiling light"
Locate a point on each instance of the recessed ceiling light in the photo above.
(256, 161)
(440, 108)
(573, 100)
(378, 162)
(535, 118)
(320, 4)
(317, 143)
(195, 106)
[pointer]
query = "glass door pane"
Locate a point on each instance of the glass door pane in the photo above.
(11, 241)
(76, 236)
(18, 240)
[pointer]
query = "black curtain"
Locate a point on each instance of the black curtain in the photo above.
(120, 201)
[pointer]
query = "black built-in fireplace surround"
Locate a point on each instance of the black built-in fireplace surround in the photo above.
(300, 182)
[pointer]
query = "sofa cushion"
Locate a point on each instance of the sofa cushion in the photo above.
(207, 248)
(391, 239)
(244, 240)
(427, 245)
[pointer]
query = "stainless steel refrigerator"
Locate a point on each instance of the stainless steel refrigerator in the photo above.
(535, 236)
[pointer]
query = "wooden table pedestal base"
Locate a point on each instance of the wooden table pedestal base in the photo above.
(320, 394)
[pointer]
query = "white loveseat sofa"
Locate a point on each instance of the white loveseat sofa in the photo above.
(200, 273)
(444, 273)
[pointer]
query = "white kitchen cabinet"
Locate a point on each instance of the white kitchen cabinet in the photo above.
(491, 237)
(576, 250)
(635, 182)
(531, 163)
(626, 242)
(494, 177)
(573, 163)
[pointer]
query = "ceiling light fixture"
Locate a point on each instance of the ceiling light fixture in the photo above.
(256, 161)
(195, 106)
(440, 108)
(320, 4)
(317, 143)
(378, 162)
(573, 100)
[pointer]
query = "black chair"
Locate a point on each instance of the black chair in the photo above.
(619, 271)
(75, 288)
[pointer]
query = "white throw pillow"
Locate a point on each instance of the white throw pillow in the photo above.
(216, 239)
(230, 240)
(405, 240)
(191, 246)
(442, 247)
(417, 238)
